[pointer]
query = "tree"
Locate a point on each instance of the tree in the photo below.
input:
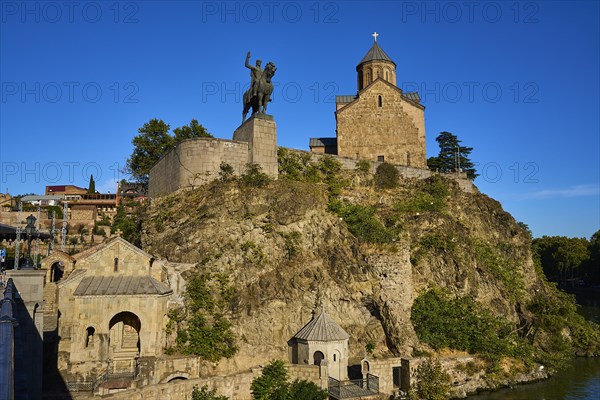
(305, 390)
(433, 383)
(592, 266)
(149, 146)
(153, 142)
(205, 394)
(92, 185)
(447, 160)
(272, 384)
(129, 224)
(193, 130)
(561, 256)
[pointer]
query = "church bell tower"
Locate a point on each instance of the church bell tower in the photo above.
(375, 64)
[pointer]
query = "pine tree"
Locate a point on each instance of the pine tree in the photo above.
(92, 185)
(452, 156)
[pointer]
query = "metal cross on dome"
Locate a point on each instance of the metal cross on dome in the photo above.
(375, 34)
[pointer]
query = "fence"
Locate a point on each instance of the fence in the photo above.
(354, 388)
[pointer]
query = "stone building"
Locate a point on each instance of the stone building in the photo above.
(380, 122)
(106, 308)
(322, 342)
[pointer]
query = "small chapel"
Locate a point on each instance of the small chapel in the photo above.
(380, 122)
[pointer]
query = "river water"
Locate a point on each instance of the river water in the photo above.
(580, 381)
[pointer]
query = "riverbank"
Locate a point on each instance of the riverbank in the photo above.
(580, 380)
(469, 376)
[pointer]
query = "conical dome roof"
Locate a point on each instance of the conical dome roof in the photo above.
(323, 329)
(376, 53)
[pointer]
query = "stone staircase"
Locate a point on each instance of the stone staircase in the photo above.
(50, 307)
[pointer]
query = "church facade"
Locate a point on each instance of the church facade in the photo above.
(379, 123)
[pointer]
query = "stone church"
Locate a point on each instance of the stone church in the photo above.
(381, 122)
(108, 307)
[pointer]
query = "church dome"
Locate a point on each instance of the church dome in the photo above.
(376, 53)
(375, 64)
(323, 329)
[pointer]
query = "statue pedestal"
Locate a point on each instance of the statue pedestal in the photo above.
(261, 134)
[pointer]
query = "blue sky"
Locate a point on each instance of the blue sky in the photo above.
(518, 81)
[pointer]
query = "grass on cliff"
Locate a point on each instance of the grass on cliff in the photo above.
(550, 334)
(444, 321)
(201, 326)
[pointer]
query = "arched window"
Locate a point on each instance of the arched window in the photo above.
(334, 358)
(386, 75)
(89, 336)
(368, 77)
(380, 101)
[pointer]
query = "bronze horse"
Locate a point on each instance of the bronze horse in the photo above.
(263, 93)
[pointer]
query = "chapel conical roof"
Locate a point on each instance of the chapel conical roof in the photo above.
(322, 328)
(376, 53)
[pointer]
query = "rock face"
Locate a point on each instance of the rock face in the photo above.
(279, 245)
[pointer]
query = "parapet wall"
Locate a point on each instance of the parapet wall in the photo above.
(194, 162)
(233, 386)
(405, 171)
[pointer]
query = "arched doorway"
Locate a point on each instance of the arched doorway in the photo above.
(57, 271)
(318, 357)
(124, 344)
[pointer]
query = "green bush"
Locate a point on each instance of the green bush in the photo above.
(363, 166)
(254, 177)
(433, 383)
(57, 209)
(205, 394)
(273, 385)
(460, 323)
(363, 222)
(386, 176)
(201, 327)
(295, 166)
(225, 172)
(432, 197)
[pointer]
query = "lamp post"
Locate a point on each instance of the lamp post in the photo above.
(29, 231)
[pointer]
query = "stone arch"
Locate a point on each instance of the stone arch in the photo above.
(176, 376)
(60, 257)
(57, 270)
(124, 335)
(318, 356)
(366, 367)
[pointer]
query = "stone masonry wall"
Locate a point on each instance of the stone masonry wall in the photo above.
(396, 130)
(233, 386)
(406, 172)
(194, 162)
(260, 132)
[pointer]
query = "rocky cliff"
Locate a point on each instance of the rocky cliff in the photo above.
(281, 244)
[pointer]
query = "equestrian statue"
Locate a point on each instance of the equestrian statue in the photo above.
(258, 95)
